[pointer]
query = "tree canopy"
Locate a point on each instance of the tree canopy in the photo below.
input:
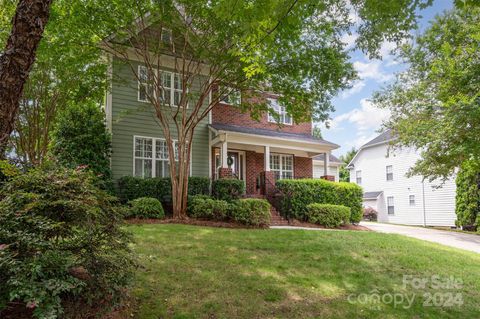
(435, 103)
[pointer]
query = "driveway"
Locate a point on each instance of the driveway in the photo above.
(449, 238)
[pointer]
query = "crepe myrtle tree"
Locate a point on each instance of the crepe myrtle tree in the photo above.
(289, 47)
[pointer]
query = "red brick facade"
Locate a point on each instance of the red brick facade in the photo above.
(227, 114)
(302, 167)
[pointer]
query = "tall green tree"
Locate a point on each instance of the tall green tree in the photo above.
(344, 173)
(290, 47)
(435, 103)
(467, 200)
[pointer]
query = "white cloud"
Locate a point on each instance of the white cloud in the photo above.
(371, 70)
(356, 88)
(365, 118)
(349, 40)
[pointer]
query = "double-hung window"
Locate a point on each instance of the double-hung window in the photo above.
(358, 177)
(390, 205)
(281, 165)
(411, 200)
(389, 170)
(171, 86)
(151, 157)
(230, 96)
(284, 117)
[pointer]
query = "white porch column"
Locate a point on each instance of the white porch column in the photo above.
(224, 154)
(267, 159)
(326, 163)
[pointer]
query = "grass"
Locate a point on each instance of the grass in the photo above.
(200, 272)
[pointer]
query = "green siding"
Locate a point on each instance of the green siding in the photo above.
(131, 117)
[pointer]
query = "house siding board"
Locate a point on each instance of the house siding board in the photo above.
(439, 203)
(131, 117)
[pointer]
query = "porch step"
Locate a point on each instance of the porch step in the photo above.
(276, 219)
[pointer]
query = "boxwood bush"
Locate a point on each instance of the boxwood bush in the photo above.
(228, 188)
(251, 212)
(146, 207)
(130, 187)
(328, 215)
(204, 207)
(62, 245)
(299, 193)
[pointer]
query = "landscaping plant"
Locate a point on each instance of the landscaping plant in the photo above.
(146, 207)
(251, 212)
(228, 188)
(63, 250)
(328, 215)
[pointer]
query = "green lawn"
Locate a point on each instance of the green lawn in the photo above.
(200, 272)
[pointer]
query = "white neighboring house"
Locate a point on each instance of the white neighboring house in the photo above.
(333, 166)
(396, 198)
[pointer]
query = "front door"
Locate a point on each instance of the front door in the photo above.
(235, 162)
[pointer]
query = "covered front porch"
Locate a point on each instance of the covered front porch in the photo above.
(260, 157)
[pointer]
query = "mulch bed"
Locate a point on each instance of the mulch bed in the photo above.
(210, 223)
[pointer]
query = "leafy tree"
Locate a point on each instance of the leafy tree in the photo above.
(468, 195)
(435, 103)
(16, 60)
(344, 173)
(290, 47)
(81, 138)
(317, 131)
(68, 68)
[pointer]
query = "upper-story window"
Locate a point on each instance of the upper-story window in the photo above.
(358, 177)
(390, 205)
(166, 36)
(230, 96)
(151, 157)
(281, 165)
(171, 86)
(283, 115)
(389, 170)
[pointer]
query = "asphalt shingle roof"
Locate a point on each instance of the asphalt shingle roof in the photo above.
(384, 137)
(371, 195)
(272, 133)
(332, 158)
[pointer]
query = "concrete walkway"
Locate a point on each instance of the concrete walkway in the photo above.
(460, 240)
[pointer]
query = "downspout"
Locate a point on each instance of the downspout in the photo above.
(424, 211)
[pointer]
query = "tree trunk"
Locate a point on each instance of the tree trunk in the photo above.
(16, 60)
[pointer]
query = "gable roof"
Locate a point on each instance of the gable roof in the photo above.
(383, 138)
(271, 133)
(372, 195)
(332, 158)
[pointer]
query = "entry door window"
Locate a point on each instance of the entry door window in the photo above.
(234, 161)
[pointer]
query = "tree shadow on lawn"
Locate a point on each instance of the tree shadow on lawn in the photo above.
(192, 272)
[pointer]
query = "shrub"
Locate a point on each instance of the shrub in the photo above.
(146, 207)
(207, 208)
(61, 243)
(7, 171)
(298, 194)
(328, 215)
(370, 214)
(130, 188)
(81, 137)
(468, 196)
(228, 188)
(251, 211)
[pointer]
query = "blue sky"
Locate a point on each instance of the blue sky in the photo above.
(355, 120)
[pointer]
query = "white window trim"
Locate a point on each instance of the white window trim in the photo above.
(386, 173)
(281, 170)
(282, 112)
(393, 205)
(153, 159)
(357, 177)
(172, 88)
(410, 201)
(234, 92)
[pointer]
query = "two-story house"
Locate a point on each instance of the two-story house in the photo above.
(397, 198)
(227, 143)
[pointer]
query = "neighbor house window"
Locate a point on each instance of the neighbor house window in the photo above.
(411, 200)
(358, 177)
(390, 206)
(171, 86)
(283, 115)
(230, 96)
(166, 36)
(151, 157)
(389, 173)
(281, 165)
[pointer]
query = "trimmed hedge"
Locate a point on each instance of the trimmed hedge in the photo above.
(130, 187)
(328, 215)
(251, 212)
(228, 189)
(146, 207)
(207, 208)
(299, 193)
